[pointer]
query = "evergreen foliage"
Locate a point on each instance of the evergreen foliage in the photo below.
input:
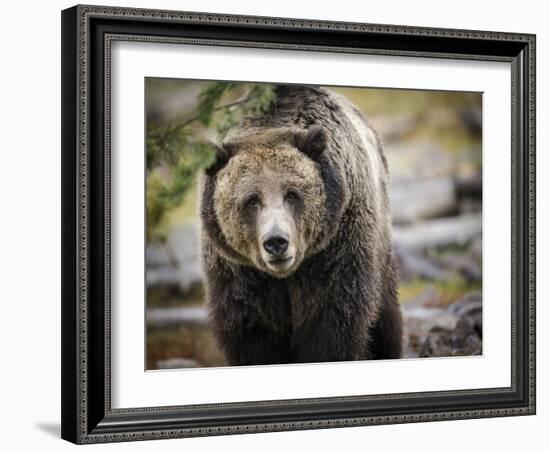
(176, 153)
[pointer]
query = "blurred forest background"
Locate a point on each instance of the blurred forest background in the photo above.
(432, 140)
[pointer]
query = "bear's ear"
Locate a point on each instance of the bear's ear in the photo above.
(222, 155)
(312, 141)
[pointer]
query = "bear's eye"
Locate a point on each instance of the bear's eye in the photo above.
(252, 201)
(292, 196)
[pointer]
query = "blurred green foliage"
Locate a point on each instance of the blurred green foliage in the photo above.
(177, 152)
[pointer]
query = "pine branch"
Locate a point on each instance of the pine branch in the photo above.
(184, 152)
(218, 108)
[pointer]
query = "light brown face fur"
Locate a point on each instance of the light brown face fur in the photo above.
(265, 193)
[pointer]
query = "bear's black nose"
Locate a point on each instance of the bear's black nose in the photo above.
(276, 245)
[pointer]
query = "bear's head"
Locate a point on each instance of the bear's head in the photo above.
(269, 196)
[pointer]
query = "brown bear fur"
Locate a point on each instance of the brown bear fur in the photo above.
(338, 300)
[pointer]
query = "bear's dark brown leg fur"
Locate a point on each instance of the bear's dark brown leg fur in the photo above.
(387, 334)
(331, 335)
(332, 318)
(254, 345)
(249, 316)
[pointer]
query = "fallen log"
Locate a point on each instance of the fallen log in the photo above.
(438, 232)
(179, 316)
(177, 363)
(413, 264)
(433, 197)
(424, 199)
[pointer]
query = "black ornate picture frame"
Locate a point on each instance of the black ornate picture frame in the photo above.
(87, 34)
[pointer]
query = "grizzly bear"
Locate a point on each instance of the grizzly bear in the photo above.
(296, 236)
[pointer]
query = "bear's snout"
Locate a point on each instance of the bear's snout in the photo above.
(276, 245)
(276, 239)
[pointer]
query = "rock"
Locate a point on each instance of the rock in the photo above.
(466, 340)
(411, 345)
(462, 339)
(442, 342)
(419, 321)
(464, 303)
(437, 343)
(469, 310)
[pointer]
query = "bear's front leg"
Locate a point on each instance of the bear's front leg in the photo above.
(250, 317)
(331, 334)
(334, 314)
(245, 345)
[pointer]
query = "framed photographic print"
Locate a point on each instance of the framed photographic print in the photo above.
(281, 224)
